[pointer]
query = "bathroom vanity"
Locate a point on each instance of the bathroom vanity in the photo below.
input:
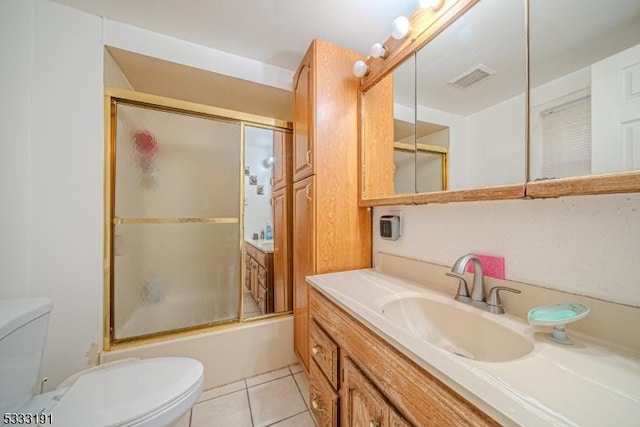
(259, 273)
(375, 384)
(379, 359)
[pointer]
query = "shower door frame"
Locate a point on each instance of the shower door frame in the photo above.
(114, 96)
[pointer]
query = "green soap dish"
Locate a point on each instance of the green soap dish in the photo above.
(557, 315)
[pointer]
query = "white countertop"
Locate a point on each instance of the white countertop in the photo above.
(585, 384)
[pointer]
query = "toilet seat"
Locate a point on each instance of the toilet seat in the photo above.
(145, 392)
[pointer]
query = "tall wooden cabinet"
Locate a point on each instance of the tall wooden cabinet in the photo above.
(330, 231)
(282, 222)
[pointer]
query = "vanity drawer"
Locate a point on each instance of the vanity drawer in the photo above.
(251, 251)
(323, 398)
(325, 352)
(261, 257)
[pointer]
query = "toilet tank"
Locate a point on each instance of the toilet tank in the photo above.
(23, 329)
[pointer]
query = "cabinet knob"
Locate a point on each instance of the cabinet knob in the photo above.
(315, 350)
(315, 404)
(374, 423)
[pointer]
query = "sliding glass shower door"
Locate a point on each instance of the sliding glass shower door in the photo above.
(176, 229)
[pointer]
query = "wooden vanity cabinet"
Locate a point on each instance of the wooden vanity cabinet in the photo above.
(331, 232)
(378, 385)
(260, 277)
(362, 403)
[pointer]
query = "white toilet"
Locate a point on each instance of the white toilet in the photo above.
(140, 392)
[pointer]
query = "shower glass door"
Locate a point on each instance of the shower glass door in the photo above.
(176, 229)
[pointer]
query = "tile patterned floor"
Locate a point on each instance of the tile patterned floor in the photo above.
(278, 398)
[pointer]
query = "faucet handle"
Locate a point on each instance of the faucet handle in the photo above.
(494, 302)
(463, 290)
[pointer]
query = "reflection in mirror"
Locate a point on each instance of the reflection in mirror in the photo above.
(267, 287)
(388, 127)
(404, 136)
(585, 87)
(258, 162)
(432, 147)
(470, 83)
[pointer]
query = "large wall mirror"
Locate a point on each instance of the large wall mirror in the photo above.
(585, 88)
(459, 109)
(473, 103)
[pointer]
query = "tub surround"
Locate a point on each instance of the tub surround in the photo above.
(594, 382)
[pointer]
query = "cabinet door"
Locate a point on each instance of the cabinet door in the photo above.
(303, 120)
(303, 263)
(281, 169)
(323, 400)
(362, 403)
(281, 249)
(253, 278)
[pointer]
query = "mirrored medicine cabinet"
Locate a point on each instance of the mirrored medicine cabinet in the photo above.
(498, 99)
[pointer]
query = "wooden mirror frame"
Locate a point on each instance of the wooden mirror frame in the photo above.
(426, 25)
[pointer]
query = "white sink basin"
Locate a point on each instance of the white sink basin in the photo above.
(465, 333)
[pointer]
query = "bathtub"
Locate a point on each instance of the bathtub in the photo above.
(228, 354)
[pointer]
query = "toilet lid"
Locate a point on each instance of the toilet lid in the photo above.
(121, 394)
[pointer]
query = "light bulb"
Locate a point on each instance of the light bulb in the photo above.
(431, 4)
(400, 27)
(360, 68)
(379, 51)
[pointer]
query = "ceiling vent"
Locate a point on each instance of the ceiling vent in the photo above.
(472, 76)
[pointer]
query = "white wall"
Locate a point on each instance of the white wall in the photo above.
(52, 167)
(16, 44)
(66, 166)
(588, 245)
(495, 146)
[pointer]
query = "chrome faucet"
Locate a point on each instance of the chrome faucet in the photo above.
(458, 269)
(477, 299)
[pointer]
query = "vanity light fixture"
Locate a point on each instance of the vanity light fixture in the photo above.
(379, 51)
(431, 4)
(360, 68)
(400, 27)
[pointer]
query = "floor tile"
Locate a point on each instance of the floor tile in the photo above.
(269, 376)
(228, 410)
(295, 368)
(222, 390)
(301, 420)
(275, 401)
(185, 421)
(303, 385)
